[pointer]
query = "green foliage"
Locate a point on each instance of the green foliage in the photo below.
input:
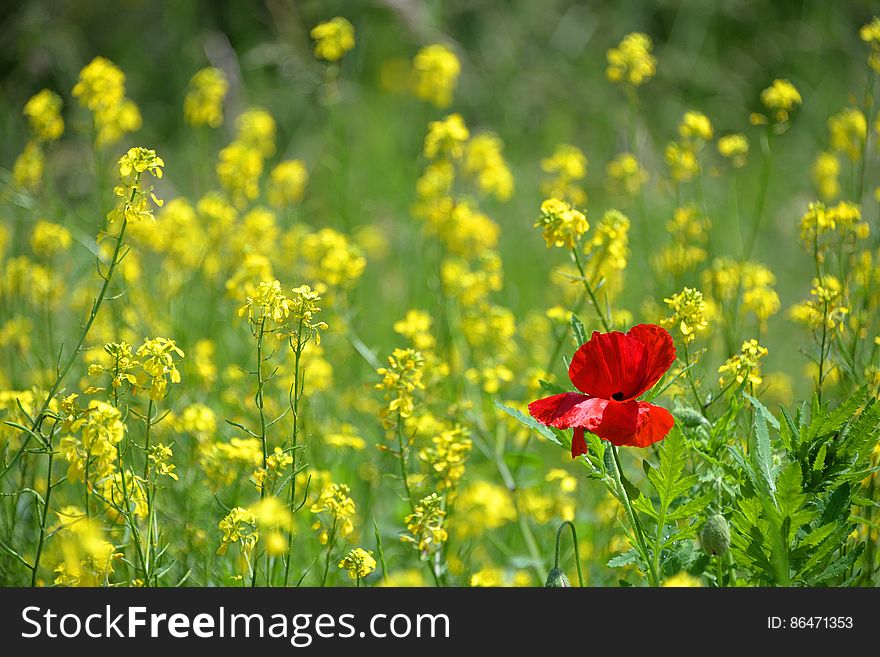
(791, 528)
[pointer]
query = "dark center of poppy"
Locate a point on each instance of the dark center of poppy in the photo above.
(617, 396)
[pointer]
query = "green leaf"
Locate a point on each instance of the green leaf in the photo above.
(767, 414)
(667, 478)
(837, 506)
(825, 422)
(819, 462)
(552, 388)
(760, 455)
(691, 508)
(577, 327)
(623, 559)
(530, 422)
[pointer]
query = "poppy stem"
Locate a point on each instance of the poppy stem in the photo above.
(653, 580)
(590, 293)
(574, 540)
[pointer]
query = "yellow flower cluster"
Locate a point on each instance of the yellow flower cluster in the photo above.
(726, 278)
(625, 175)
(332, 258)
(561, 225)
(239, 526)
(826, 176)
(274, 520)
(333, 38)
(481, 506)
(826, 308)
(447, 455)
(695, 127)
(134, 203)
(304, 310)
(870, 34)
(435, 74)
(240, 164)
(567, 166)
(222, 460)
(87, 557)
(744, 365)
(27, 171)
(484, 162)
(780, 98)
(203, 104)
(400, 381)
(734, 147)
(446, 138)
(287, 183)
(101, 88)
(690, 232)
(426, 526)
(49, 239)
(268, 304)
(160, 461)
(848, 130)
(347, 436)
(689, 312)
(94, 455)
(631, 62)
(682, 160)
(157, 362)
(43, 112)
(359, 563)
(843, 220)
(335, 510)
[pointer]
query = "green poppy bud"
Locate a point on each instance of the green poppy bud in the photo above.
(715, 536)
(557, 579)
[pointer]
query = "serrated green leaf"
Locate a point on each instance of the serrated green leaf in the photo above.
(825, 422)
(577, 327)
(552, 388)
(819, 462)
(767, 414)
(667, 478)
(818, 535)
(837, 506)
(529, 422)
(623, 559)
(760, 455)
(690, 508)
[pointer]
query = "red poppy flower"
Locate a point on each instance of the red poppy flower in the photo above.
(612, 370)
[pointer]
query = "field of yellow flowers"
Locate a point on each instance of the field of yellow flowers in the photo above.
(304, 298)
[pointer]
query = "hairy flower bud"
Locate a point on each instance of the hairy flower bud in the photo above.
(715, 536)
(557, 580)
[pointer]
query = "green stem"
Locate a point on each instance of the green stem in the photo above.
(653, 579)
(330, 541)
(574, 540)
(44, 516)
(590, 293)
(760, 200)
(297, 393)
(867, 102)
(150, 496)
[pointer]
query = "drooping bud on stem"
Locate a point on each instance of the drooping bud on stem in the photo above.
(557, 578)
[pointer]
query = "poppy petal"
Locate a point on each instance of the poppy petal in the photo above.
(610, 366)
(567, 410)
(578, 443)
(660, 350)
(618, 423)
(654, 424)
